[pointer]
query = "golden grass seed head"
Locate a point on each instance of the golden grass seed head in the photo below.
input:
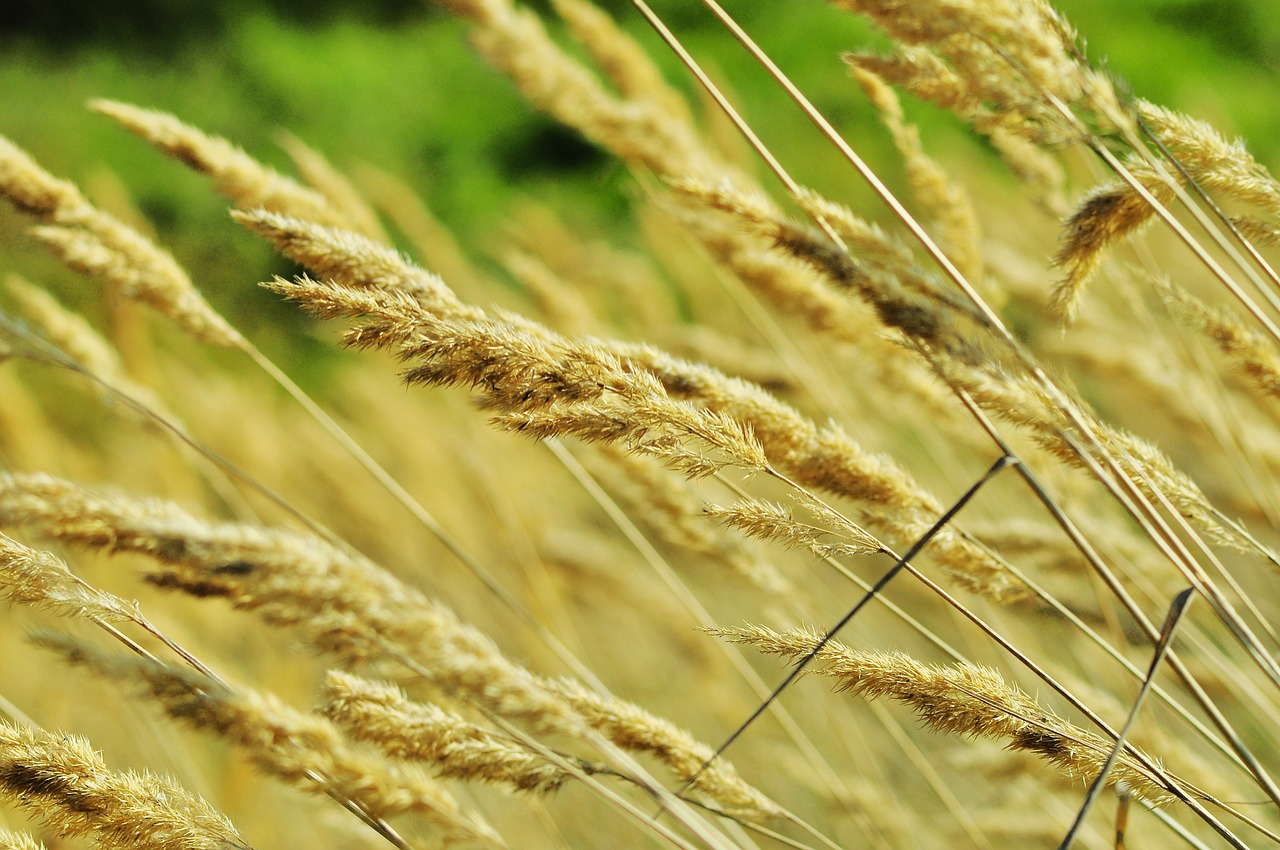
(443, 741)
(61, 779)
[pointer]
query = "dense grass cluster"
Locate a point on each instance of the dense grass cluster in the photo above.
(993, 451)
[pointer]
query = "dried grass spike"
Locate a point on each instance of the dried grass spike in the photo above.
(922, 74)
(1014, 61)
(768, 521)
(964, 699)
(871, 265)
(673, 510)
(61, 779)
(31, 189)
(82, 343)
(1211, 160)
(435, 245)
(643, 132)
(341, 194)
(622, 61)
(101, 246)
(351, 259)
(303, 750)
(637, 730)
(446, 743)
(945, 200)
(68, 330)
(239, 177)
(1107, 215)
(1250, 351)
(38, 579)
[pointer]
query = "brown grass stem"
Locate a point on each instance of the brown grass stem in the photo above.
(1139, 506)
(1113, 584)
(699, 612)
(1176, 612)
(1003, 462)
(727, 107)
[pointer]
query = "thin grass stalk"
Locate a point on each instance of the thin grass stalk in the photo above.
(1162, 534)
(681, 591)
(299, 749)
(732, 113)
(1243, 241)
(1176, 611)
(1113, 584)
(992, 321)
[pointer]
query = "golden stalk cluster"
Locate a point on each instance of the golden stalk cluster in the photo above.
(494, 685)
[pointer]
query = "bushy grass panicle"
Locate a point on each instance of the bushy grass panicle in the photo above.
(61, 780)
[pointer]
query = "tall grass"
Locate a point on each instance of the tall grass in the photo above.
(966, 448)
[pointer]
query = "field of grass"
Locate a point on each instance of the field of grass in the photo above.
(561, 431)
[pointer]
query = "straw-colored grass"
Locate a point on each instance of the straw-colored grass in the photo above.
(363, 615)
